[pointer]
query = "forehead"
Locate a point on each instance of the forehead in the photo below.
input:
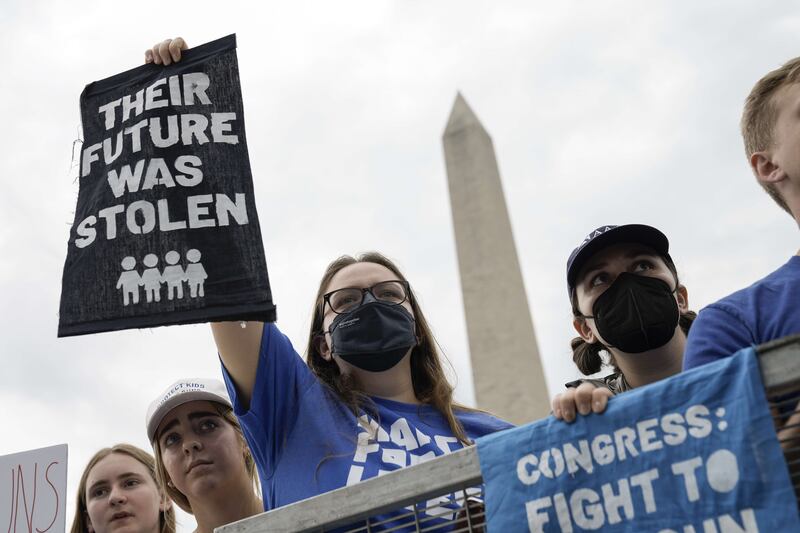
(616, 253)
(786, 99)
(114, 465)
(360, 275)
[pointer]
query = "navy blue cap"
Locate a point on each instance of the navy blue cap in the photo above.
(606, 236)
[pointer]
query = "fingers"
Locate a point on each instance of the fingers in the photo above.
(584, 399)
(600, 397)
(166, 52)
(176, 47)
(163, 53)
(565, 405)
(555, 405)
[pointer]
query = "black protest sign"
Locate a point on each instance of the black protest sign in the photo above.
(166, 230)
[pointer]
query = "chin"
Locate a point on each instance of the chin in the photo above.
(203, 485)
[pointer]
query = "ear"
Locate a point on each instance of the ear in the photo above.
(682, 295)
(321, 345)
(89, 527)
(583, 329)
(766, 170)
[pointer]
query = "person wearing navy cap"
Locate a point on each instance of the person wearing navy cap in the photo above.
(626, 301)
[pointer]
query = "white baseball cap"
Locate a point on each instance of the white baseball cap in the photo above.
(180, 392)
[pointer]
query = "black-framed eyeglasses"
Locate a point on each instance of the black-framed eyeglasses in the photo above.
(344, 300)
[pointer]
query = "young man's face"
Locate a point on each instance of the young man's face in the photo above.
(786, 142)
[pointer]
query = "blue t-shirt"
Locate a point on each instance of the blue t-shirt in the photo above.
(306, 441)
(767, 310)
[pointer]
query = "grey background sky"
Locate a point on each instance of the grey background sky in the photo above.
(601, 113)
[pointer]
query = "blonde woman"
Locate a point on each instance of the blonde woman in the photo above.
(202, 460)
(118, 491)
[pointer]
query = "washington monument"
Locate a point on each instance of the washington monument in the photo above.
(506, 369)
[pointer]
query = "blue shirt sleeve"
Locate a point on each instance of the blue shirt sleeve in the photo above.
(281, 379)
(717, 332)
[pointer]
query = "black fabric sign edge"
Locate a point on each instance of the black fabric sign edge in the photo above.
(192, 316)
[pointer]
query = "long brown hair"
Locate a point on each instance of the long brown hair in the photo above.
(180, 498)
(430, 383)
(80, 524)
(587, 357)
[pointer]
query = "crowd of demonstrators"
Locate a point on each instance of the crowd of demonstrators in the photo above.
(118, 490)
(768, 309)
(628, 303)
(202, 460)
(373, 383)
(373, 389)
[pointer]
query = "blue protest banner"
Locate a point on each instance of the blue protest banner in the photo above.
(695, 453)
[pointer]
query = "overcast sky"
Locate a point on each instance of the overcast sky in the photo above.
(601, 113)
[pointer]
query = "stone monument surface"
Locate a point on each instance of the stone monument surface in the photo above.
(507, 373)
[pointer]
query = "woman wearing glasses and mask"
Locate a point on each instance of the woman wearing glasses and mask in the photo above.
(628, 303)
(371, 398)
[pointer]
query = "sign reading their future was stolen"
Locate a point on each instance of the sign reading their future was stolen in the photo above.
(166, 230)
(695, 453)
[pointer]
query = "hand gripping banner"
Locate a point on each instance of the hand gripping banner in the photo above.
(166, 229)
(695, 453)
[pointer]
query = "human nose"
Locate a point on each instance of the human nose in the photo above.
(116, 496)
(191, 444)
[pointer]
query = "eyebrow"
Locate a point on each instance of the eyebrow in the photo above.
(105, 481)
(192, 416)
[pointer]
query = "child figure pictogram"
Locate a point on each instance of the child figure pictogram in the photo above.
(129, 281)
(151, 279)
(174, 275)
(195, 273)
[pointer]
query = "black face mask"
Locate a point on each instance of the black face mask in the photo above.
(374, 336)
(636, 313)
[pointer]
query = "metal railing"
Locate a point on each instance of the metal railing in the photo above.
(416, 490)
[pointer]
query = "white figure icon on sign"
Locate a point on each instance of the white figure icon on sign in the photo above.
(174, 275)
(151, 279)
(195, 274)
(129, 281)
